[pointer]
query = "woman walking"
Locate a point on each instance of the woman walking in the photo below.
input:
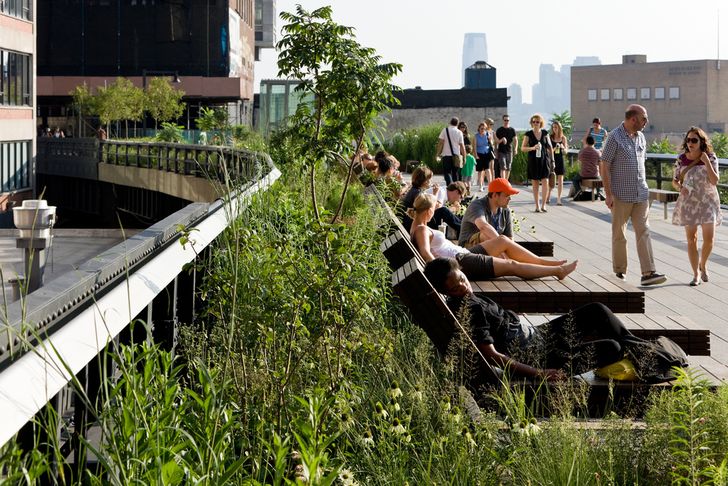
(484, 154)
(696, 177)
(538, 146)
(560, 144)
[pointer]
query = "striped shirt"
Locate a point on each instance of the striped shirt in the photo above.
(624, 156)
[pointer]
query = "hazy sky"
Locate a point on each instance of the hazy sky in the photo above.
(426, 36)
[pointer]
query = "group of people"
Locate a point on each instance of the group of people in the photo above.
(489, 152)
(592, 336)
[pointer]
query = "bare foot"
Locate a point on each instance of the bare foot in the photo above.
(553, 263)
(565, 270)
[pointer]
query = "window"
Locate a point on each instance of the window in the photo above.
(604, 94)
(644, 93)
(659, 93)
(16, 79)
(14, 160)
(591, 95)
(618, 94)
(631, 93)
(16, 8)
(674, 92)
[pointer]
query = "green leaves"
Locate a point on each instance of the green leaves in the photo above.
(163, 101)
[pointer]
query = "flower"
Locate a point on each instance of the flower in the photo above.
(417, 393)
(379, 408)
(394, 390)
(347, 478)
(445, 405)
(395, 406)
(367, 439)
(397, 427)
(468, 438)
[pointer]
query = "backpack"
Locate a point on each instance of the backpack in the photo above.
(655, 360)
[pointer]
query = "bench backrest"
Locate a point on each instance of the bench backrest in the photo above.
(431, 313)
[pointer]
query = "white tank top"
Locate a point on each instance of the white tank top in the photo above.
(442, 247)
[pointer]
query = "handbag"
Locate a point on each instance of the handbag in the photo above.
(457, 160)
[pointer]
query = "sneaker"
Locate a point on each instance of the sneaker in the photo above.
(620, 276)
(653, 279)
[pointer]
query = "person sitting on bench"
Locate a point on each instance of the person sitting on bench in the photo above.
(421, 181)
(587, 338)
(476, 262)
(589, 169)
(488, 217)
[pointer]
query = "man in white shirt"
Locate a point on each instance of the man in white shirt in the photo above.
(451, 142)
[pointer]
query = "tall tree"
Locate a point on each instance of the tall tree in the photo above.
(566, 122)
(163, 101)
(349, 85)
(119, 101)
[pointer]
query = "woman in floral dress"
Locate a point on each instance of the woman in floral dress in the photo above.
(696, 177)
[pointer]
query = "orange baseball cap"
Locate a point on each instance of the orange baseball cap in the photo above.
(502, 185)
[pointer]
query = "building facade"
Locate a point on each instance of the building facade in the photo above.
(677, 94)
(17, 104)
(277, 101)
(208, 46)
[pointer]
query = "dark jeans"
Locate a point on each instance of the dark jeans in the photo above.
(451, 173)
(588, 337)
(496, 168)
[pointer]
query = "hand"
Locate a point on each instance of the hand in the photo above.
(609, 201)
(704, 158)
(435, 189)
(551, 374)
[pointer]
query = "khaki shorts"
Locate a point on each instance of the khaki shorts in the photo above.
(472, 241)
(505, 159)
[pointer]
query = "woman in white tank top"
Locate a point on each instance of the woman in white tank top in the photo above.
(476, 262)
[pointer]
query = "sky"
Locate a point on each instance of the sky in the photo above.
(426, 36)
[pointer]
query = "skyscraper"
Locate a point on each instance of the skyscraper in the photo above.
(475, 48)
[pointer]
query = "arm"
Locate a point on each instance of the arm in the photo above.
(604, 172)
(524, 145)
(505, 362)
(565, 143)
(712, 174)
(463, 152)
(440, 145)
(515, 145)
(487, 232)
(422, 239)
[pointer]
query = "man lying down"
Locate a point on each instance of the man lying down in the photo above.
(589, 337)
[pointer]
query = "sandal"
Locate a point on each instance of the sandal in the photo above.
(695, 282)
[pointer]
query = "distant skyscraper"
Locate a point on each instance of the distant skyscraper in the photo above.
(475, 48)
(587, 61)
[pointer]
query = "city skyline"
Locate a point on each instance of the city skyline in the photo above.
(407, 32)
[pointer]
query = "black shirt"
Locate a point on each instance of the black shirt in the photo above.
(509, 134)
(490, 323)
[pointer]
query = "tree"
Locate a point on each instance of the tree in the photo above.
(120, 101)
(163, 101)
(566, 122)
(349, 86)
(212, 119)
(83, 102)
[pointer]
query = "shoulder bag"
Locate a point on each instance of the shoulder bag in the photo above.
(457, 160)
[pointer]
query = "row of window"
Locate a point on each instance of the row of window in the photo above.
(16, 79)
(17, 8)
(14, 164)
(617, 94)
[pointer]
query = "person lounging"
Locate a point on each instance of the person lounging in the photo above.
(587, 338)
(477, 262)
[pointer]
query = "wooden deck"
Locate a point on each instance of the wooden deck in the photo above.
(582, 230)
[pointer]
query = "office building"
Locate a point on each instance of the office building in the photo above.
(265, 26)
(277, 101)
(677, 94)
(208, 46)
(475, 48)
(17, 104)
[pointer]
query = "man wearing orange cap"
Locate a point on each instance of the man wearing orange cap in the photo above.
(488, 217)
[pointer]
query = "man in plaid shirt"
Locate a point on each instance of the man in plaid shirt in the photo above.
(625, 185)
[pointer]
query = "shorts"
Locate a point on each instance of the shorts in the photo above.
(505, 159)
(483, 162)
(476, 265)
(473, 241)
(466, 179)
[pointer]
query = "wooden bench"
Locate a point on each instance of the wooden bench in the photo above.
(593, 184)
(664, 197)
(692, 338)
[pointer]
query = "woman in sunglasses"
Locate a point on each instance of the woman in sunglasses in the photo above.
(537, 144)
(696, 177)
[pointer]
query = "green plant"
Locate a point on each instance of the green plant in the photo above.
(170, 132)
(119, 101)
(661, 146)
(162, 101)
(720, 144)
(566, 121)
(212, 119)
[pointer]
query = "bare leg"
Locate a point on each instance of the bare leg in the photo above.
(544, 192)
(489, 172)
(708, 237)
(504, 268)
(504, 245)
(534, 186)
(560, 185)
(692, 234)
(505, 174)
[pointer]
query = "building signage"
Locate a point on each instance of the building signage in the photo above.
(684, 70)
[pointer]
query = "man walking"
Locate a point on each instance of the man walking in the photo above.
(625, 186)
(449, 144)
(507, 149)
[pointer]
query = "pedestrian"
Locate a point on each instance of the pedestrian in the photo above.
(588, 159)
(507, 149)
(538, 145)
(463, 127)
(484, 155)
(101, 133)
(696, 177)
(466, 173)
(451, 150)
(625, 187)
(561, 145)
(598, 133)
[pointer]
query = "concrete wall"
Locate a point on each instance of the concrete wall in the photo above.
(190, 188)
(414, 117)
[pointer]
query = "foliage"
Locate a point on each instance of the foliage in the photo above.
(567, 123)
(720, 144)
(661, 146)
(119, 101)
(83, 101)
(163, 101)
(171, 132)
(245, 138)
(349, 86)
(416, 144)
(212, 119)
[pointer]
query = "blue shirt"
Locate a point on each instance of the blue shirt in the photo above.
(624, 157)
(482, 142)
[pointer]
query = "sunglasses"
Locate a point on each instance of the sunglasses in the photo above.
(692, 140)
(534, 122)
